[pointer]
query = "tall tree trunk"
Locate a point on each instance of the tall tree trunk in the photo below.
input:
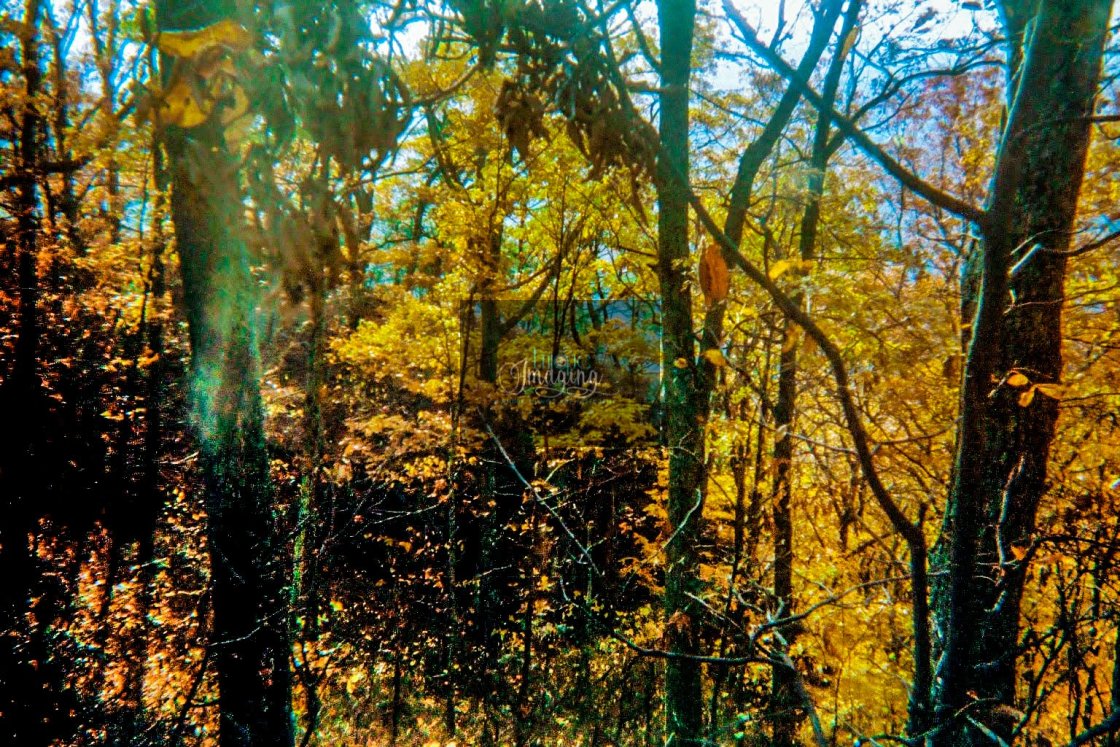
(24, 691)
(249, 570)
(24, 377)
(785, 695)
(492, 502)
(313, 514)
(151, 492)
(1003, 447)
(104, 41)
(683, 407)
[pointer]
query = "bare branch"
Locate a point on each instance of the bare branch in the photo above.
(912, 181)
(1109, 725)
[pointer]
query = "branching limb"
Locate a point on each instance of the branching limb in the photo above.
(912, 181)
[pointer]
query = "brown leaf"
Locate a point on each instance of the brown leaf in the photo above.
(715, 280)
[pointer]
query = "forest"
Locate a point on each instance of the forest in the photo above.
(559, 372)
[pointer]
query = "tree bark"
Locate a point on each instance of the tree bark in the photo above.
(785, 696)
(684, 407)
(25, 689)
(999, 475)
(251, 642)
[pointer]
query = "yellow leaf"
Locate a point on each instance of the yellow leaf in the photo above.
(1053, 391)
(1027, 397)
(1017, 379)
(779, 268)
(793, 336)
(849, 41)
(680, 363)
(190, 44)
(715, 357)
(180, 107)
(1019, 552)
(354, 680)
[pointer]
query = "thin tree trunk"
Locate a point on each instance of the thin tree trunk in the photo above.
(25, 378)
(785, 693)
(684, 410)
(24, 695)
(311, 518)
(151, 494)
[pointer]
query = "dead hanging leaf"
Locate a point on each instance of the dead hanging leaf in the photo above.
(680, 363)
(1017, 380)
(849, 41)
(209, 81)
(1053, 391)
(187, 45)
(715, 280)
(234, 118)
(679, 622)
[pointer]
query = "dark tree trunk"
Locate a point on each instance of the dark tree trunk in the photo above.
(249, 568)
(151, 491)
(314, 514)
(25, 377)
(786, 698)
(682, 401)
(16, 562)
(1003, 447)
(31, 712)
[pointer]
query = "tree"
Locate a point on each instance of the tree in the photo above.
(337, 472)
(785, 696)
(248, 555)
(684, 408)
(1009, 401)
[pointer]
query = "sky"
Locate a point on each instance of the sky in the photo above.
(952, 18)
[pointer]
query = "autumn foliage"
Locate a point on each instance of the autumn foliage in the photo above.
(557, 372)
